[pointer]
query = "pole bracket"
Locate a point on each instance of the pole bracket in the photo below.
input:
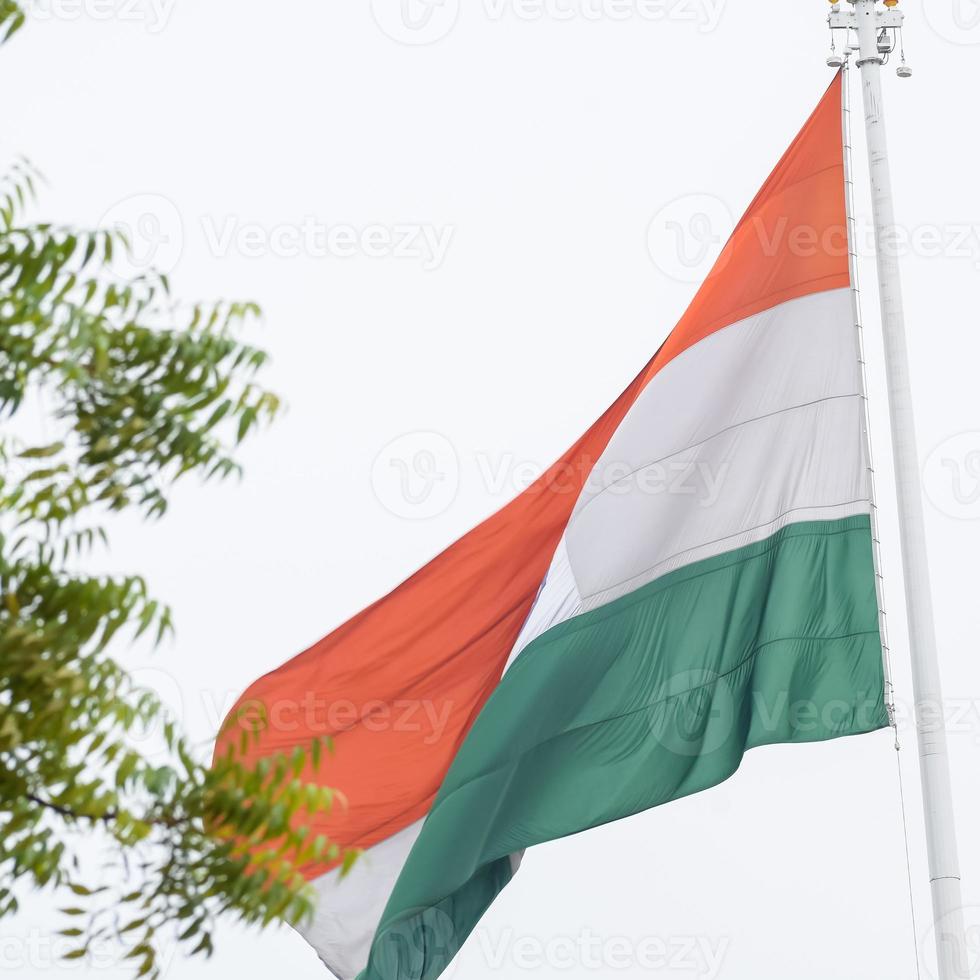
(847, 19)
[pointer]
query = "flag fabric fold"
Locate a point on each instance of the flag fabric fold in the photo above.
(693, 578)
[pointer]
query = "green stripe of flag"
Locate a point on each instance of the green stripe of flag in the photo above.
(650, 698)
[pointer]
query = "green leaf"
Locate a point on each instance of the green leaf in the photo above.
(40, 452)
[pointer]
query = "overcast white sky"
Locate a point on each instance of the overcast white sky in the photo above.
(462, 245)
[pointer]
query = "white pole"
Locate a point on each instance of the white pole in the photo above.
(944, 873)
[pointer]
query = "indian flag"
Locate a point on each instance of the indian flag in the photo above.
(614, 639)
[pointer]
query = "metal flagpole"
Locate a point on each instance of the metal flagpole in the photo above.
(876, 28)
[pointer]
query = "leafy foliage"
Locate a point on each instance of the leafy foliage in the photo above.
(11, 19)
(141, 391)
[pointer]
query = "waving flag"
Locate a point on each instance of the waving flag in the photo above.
(610, 640)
